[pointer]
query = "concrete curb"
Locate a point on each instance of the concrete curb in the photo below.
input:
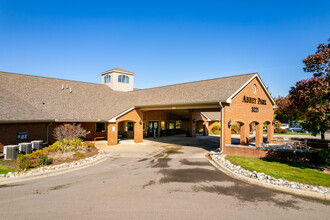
(52, 172)
(296, 192)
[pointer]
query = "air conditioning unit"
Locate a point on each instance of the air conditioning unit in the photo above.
(37, 145)
(25, 148)
(11, 152)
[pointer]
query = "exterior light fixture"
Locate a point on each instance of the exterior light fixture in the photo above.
(229, 123)
(140, 122)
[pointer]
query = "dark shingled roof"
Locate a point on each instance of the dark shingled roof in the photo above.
(33, 98)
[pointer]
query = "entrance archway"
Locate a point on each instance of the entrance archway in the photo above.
(126, 130)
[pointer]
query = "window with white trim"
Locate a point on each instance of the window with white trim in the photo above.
(123, 79)
(254, 88)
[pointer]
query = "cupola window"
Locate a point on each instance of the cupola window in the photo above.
(123, 79)
(107, 79)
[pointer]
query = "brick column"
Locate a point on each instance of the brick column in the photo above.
(112, 134)
(138, 127)
(244, 136)
(192, 125)
(270, 132)
(205, 129)
(227, 132)
(259, 135)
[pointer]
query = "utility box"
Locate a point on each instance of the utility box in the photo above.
(37, 145)
(11, 152)
(25, 148)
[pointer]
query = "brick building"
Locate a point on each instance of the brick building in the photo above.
(31, 107)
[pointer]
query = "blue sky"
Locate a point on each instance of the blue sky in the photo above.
(163, 42)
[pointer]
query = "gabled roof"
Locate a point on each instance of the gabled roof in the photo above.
(33, 98)
(212, 116)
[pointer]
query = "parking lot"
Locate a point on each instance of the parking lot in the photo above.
(166, 178)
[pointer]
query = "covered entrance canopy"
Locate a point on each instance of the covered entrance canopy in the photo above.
(249, 103)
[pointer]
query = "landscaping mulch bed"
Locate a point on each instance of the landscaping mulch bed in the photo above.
(88, 153)
(12, 164)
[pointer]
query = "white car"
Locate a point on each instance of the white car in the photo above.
(285, 126)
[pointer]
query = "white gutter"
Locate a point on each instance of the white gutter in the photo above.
(207, 118)
(221, 142)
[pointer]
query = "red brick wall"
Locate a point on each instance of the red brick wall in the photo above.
(8, 132)
(89, 126)
(239, 111)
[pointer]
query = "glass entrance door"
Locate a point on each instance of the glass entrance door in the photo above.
(153, 129)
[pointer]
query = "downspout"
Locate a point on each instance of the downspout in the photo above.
(221, 142)
(48, 131)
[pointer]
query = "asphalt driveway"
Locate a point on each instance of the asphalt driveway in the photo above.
(167, 179)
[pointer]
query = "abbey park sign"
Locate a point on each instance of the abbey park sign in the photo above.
(252, 100)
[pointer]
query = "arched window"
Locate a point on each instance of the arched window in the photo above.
(107, 79)
(123, 79)
(254, 88)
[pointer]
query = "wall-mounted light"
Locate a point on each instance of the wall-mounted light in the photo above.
(140, 122)
(229, 123)
(194, 121)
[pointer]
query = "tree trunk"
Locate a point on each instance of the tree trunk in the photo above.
(322, 135)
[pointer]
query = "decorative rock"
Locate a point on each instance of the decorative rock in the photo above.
(53, 167)
(265, 178)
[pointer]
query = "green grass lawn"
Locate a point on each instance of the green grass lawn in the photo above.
(7, 166)
(282, 170)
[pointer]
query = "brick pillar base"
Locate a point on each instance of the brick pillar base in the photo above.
(205, 129)
(244, 134)
(270, 132)
(192, 125)
(259, 135)
(138, 132)
(112, 134)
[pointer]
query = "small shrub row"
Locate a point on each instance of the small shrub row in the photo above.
(37, 158)
(280, 130)
(324, 156)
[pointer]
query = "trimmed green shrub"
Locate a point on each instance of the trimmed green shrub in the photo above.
(54, 147)
(235, 129)
(24, 162)
(324, 156)
(34, 159)
(78, 154)
(43, 159)
(215, 129)
(280, 130)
